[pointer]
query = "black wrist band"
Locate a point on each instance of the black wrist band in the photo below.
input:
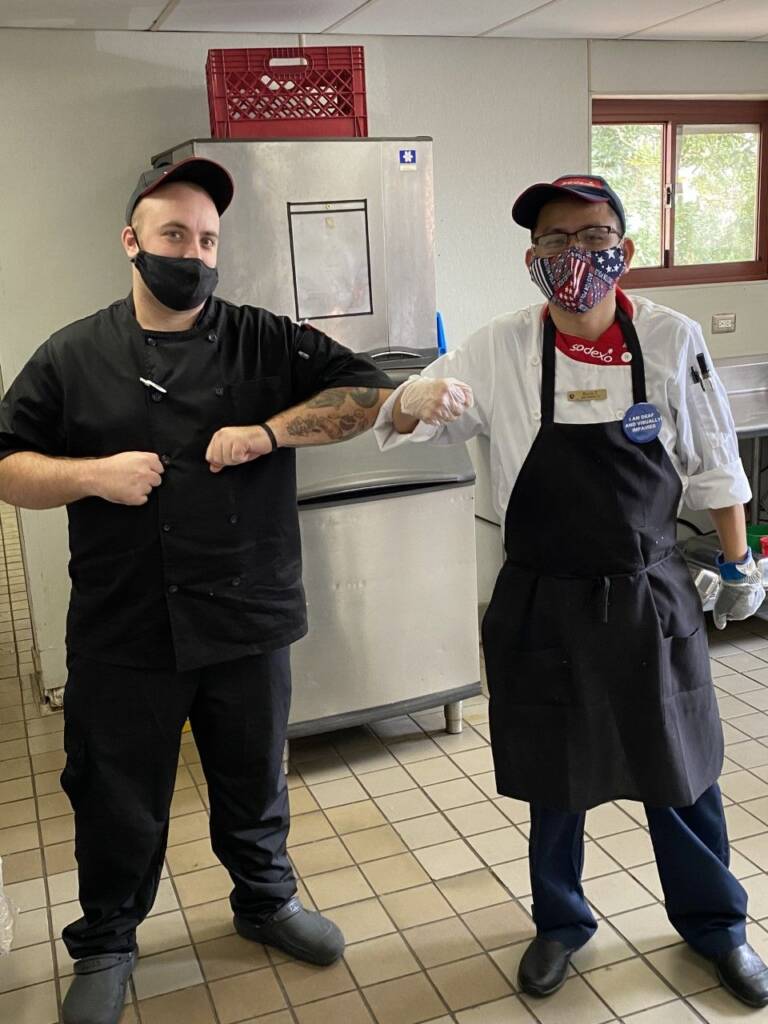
(270, 434)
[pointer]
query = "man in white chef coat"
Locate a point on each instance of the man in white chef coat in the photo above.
(601, 411)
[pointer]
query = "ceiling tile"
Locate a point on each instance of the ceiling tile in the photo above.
(595, 19)
(433, 17)
(309, 16)
(651, 19)
(729, 19)
(82, 14)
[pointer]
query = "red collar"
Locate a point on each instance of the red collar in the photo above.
(608, 350)
(622, 299)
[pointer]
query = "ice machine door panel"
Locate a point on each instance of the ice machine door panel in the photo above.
(331, 259)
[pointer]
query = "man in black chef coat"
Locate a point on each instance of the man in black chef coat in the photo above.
(166, 424)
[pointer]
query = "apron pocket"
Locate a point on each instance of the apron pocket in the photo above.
(685, 662)
(674, 597)
(539, 677)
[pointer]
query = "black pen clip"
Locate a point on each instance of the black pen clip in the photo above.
(705, 371)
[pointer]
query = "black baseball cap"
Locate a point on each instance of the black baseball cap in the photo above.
(587, 187)
(209, 175)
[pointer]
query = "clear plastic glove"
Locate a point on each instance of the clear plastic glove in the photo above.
(741, 591)
(436, 400)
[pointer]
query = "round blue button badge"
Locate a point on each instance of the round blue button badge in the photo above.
(642, 423)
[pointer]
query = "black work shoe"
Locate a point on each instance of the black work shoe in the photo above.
(97, 994)
(544, 967)
(745, 975)
(302, 933)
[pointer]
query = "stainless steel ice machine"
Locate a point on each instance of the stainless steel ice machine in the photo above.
(340, 232)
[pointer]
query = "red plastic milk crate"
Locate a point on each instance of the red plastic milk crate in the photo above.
(287, 92)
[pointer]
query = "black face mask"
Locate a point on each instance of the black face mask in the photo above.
(178, 283)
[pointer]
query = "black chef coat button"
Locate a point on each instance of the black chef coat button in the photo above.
(156, 397)
(152, 342)
(212, 336)
(236, 581)
(165, 459)
(234, 518)
(211, 594)
(173, 589)
(218, 392)
(166, 527)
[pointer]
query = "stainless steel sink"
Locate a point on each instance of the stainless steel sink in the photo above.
(746, 380)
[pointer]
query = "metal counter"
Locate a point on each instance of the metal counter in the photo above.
(745, 378)
(746, 381)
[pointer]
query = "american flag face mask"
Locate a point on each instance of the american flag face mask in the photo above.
(575, 279)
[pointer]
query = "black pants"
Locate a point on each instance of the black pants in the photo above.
(705, 903)
(122, 733)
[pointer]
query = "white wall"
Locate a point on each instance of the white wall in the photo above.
(637, 68)
(748, 300)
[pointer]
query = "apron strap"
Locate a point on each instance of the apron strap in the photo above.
(637, 365)
(548, 372)
(632, 342)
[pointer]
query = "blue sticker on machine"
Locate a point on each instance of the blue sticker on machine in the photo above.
(407, 159)
(642, 423)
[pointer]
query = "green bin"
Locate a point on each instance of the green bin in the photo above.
(754, 533)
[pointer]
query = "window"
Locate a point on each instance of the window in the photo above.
(693, 177)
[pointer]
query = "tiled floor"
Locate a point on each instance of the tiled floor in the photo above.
(399, 835)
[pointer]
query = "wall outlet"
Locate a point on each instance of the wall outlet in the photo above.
(723, 323)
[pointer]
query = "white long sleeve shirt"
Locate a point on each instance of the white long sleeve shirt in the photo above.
(502, 364)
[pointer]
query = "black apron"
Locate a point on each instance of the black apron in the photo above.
(595, 641)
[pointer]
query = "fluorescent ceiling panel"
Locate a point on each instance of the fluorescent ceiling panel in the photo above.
(595, 19)
(309, 16)
(82, 14)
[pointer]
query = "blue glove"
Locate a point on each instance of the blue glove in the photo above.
(741, 590)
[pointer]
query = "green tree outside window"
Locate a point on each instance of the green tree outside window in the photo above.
(715, 192)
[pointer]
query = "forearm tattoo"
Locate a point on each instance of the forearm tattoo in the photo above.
(365, 397)
(334, 428)
(334, 398)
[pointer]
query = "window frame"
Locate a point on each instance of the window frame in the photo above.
(671, 114)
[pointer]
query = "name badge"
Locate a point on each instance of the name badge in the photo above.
(642, 423)
(598, 395)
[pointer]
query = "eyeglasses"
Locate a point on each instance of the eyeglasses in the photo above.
(592, 238)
